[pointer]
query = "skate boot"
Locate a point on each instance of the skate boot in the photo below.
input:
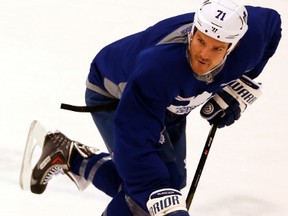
(56, 158)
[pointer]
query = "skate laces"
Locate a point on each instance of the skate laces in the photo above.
(83, 150)
(54, 171)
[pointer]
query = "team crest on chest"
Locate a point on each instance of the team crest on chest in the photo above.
(181, 105)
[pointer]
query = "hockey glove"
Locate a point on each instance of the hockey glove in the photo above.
(231, 101)
(168, 202)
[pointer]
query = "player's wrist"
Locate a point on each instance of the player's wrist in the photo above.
(178, 213)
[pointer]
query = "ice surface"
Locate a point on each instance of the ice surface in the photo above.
(46, 48)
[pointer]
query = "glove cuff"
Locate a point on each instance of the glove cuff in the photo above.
(166, 202)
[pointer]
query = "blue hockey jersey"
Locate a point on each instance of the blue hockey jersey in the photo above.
(150, 74)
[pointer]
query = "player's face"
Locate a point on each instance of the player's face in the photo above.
(206, 53)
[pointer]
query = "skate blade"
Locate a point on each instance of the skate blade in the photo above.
(36, 137)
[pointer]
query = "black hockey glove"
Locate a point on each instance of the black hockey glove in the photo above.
(168, 202)
(231, 101)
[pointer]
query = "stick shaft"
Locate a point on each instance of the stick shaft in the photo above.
(200, 166)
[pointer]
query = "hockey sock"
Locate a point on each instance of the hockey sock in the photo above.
(98, 169)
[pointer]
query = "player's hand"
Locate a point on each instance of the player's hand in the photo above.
(231, 101)
(168, 202)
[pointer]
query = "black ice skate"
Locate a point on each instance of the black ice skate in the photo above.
(57, 151)
(55, 159)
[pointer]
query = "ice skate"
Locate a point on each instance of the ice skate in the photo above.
(56, 158)
(57, 151)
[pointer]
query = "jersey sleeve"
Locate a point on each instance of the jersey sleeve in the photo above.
(138, 124)
(270, 27)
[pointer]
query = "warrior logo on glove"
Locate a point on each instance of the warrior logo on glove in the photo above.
(166, 201)
(231, 101)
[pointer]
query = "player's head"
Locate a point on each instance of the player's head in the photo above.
(222, 20)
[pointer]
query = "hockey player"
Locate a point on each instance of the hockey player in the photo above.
(159, 76)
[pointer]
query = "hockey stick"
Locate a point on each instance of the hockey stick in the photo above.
(201, 163)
